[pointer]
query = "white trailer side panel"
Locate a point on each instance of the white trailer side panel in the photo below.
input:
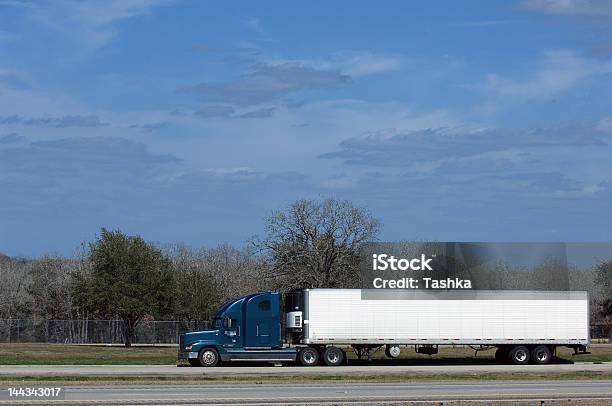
(342, 316)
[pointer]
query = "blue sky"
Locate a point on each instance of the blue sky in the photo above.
(191, 121)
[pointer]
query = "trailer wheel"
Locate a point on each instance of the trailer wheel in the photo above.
(333, 356)
(541, 354)
(393, 351)
(209, 357)
(501, 355)
(519, 355)
(308, 356)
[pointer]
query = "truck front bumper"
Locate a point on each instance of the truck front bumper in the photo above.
(184, 355)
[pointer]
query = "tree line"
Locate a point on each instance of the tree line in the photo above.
(307, 244)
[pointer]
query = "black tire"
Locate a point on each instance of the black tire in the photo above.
(501, 355)
(541, 355)
(519, 355)
(333, 356)
(208, 357)
(308, 356)
(194, 362)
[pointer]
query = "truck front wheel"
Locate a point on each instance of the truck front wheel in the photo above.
(308, 356)
(333, 356)
(541, 354)
(209, 357)
(519, 355)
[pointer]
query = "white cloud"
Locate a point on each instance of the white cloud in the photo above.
(268, 82)
(605, 125)
(89, 23)
(593, 8)
(367, 63)
(538, 162)
(487, 23)
(15, 3)
(234, 173)
(353, 63)
(560, 70)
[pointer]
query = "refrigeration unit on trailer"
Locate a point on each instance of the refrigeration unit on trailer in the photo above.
(317, 325)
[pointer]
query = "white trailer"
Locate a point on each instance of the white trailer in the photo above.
(524, 326)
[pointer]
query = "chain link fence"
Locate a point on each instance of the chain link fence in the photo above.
(111, 331)
(601, 331)
(91, 331)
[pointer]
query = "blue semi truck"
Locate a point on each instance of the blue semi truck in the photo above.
(314, 326)
(245, 329)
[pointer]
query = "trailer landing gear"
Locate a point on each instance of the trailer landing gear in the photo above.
(580, 349)
(362, 350)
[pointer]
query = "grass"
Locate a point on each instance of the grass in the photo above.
(64, 354)
(261, 379)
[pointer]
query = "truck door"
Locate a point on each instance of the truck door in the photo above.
(263, 320)
(231, 331)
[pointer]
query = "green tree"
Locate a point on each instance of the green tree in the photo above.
(317, 243)
(129, 279)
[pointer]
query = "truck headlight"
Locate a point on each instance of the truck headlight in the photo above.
(188, 348)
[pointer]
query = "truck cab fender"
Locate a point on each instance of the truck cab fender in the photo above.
(198, 345)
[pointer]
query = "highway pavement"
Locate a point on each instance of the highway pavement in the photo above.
(599, 393)
(266, 369)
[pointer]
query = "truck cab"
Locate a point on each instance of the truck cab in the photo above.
(244, 329)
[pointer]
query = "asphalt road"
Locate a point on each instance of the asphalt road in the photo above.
(599, 391)
(249, 369)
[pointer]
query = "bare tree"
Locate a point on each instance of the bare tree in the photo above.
(198, 293)
(206, 278)
(238, 271)
(14, 281)
(50, 287)
(14, 298)
(603, 282)
(317, 244)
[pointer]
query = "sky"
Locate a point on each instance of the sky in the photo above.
(192, 121)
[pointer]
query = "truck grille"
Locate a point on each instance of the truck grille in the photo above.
(181, 343)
